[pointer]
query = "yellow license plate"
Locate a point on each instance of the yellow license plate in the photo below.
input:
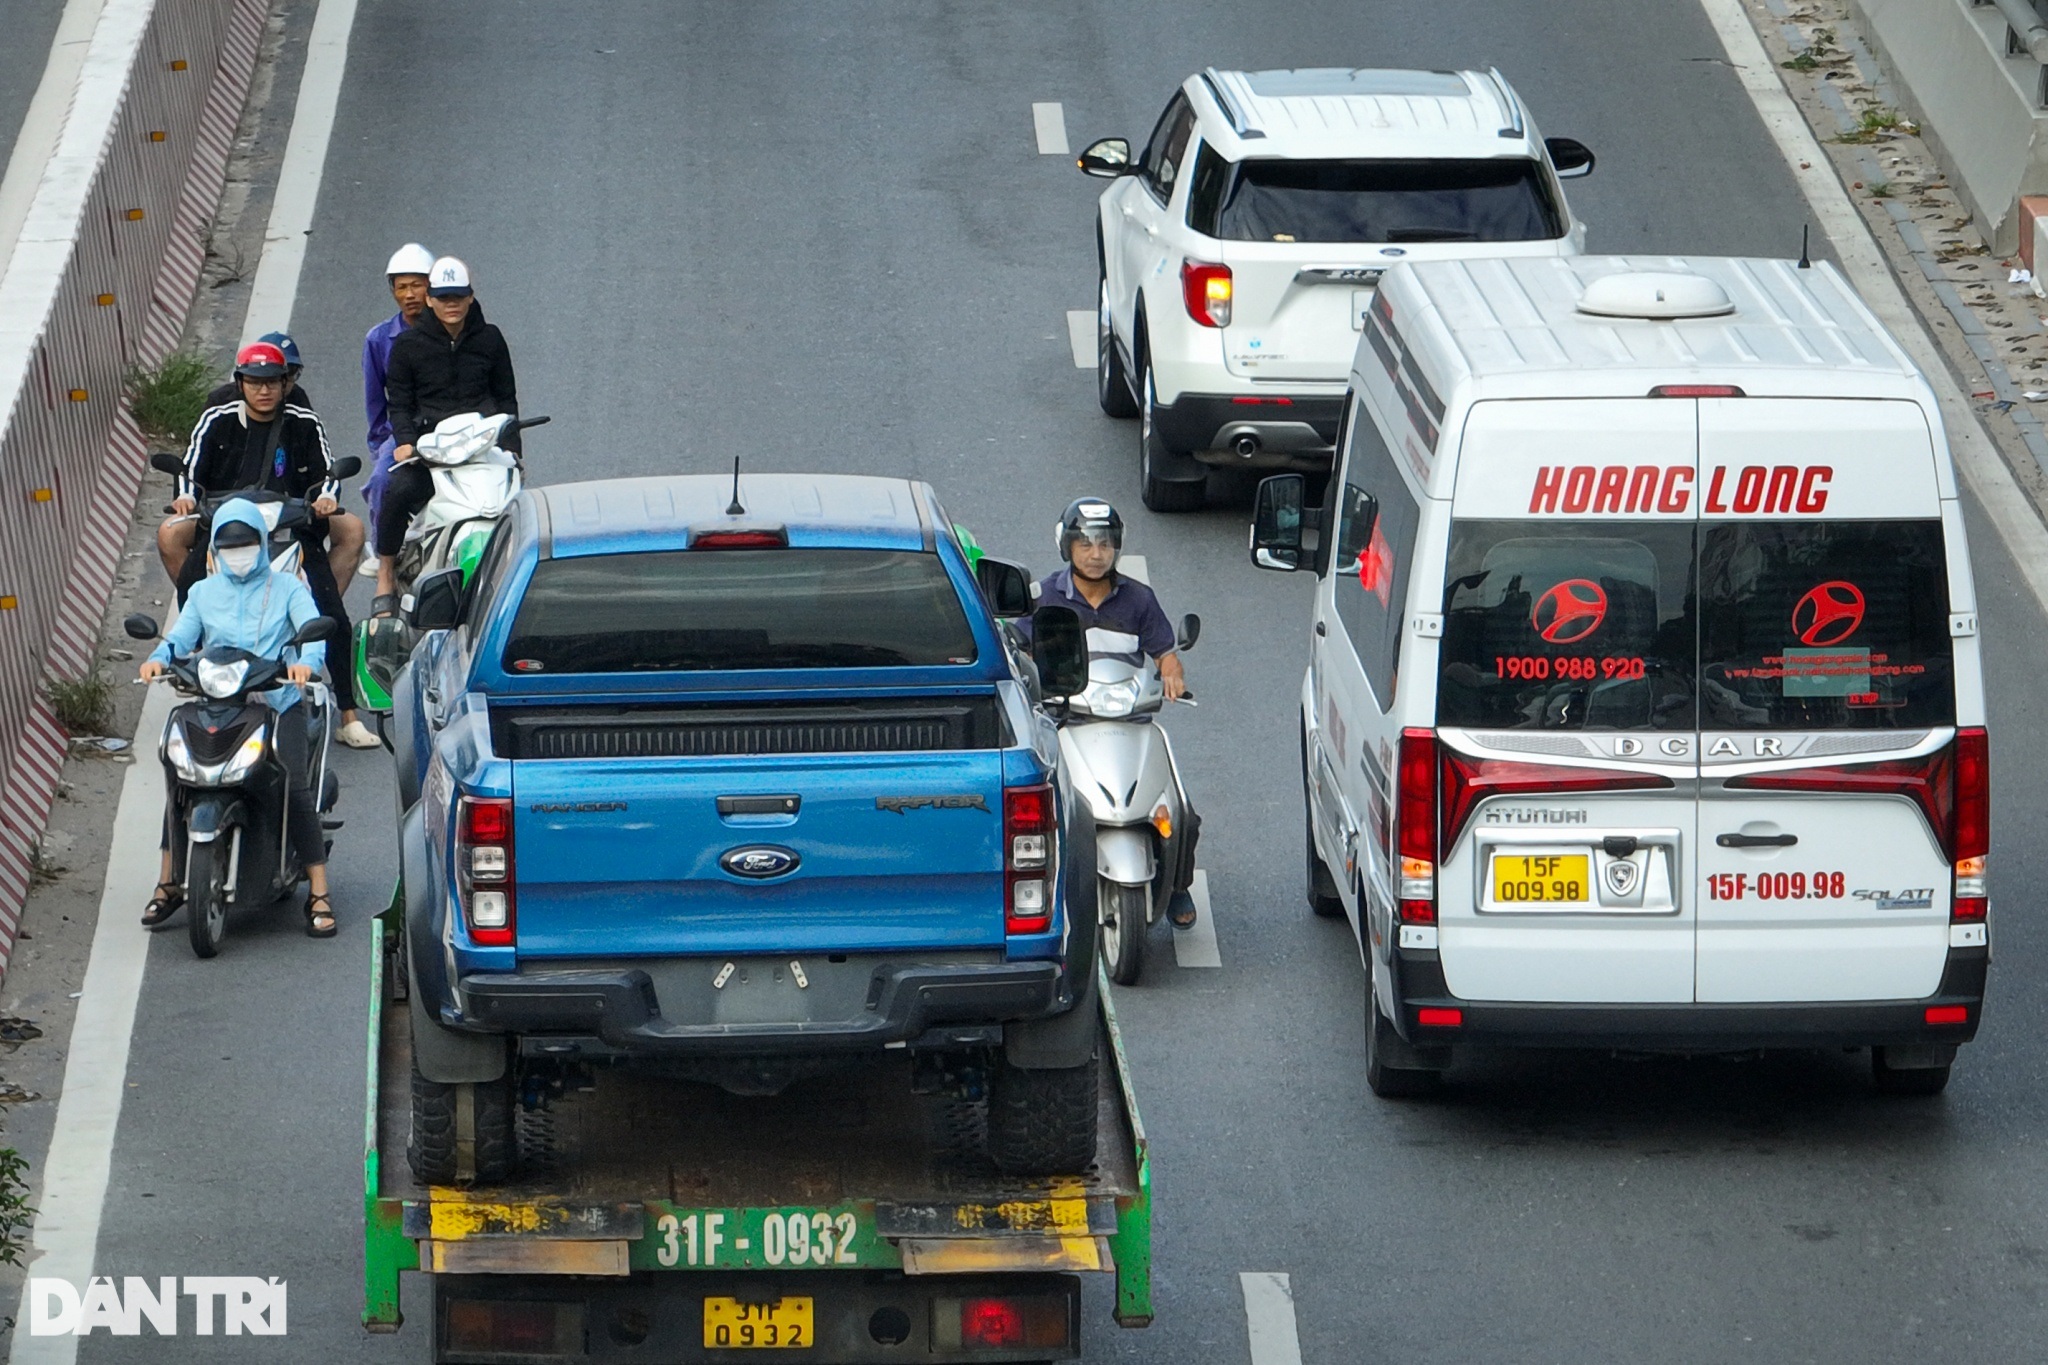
(731, 1325)
(1540, 878)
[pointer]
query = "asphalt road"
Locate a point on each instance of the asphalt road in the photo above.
(30, 25)
(820, 237)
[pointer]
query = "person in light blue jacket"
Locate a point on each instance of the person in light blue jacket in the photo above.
(243, 605)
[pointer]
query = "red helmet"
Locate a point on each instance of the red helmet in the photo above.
(259, 360)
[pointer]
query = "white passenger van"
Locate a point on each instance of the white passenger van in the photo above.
(1645, 708)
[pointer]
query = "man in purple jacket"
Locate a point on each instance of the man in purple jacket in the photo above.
(407, 275)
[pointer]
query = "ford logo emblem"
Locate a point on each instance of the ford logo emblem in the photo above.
(1392, 251)
(760, 861)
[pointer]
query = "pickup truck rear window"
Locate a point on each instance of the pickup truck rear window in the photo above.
(1498, 199)
(674, 611)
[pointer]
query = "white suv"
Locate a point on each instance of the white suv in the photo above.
(1239, 253)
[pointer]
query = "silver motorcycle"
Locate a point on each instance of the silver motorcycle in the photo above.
(1123, 763)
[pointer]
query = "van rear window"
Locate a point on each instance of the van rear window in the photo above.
(1824, 625)
(1568, 625)
(692, 610)
(1497, 199)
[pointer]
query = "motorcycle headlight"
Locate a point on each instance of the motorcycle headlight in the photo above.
(245, 759)
(178, 756)
(222, 680)
(1111, 700)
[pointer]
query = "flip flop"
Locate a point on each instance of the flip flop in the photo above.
(384, 604)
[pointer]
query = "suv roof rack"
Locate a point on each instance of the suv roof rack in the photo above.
(1238, 122)
(1515, 127)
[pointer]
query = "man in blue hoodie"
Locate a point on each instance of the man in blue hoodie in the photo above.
(243, 605)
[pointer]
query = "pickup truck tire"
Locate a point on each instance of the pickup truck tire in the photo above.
(438, 1119)
(1121, 912)
(398, 725)
(1390, 1069)
(1043, 1122)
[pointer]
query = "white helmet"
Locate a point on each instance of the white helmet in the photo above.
(410, 259)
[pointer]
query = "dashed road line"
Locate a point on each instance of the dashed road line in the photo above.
(1133, 566)
(1269, 1317)
(1195, 946)
(1081, 336)
(1049, 121)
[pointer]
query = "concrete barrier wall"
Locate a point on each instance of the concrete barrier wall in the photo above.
(1975, 105)
(100, 280)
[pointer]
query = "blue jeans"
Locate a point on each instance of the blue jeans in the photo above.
(380, 470)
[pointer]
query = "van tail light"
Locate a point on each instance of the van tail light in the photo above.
(484, 869)
(1952, 787)
(1467, 781)
(1206, 289)
(1029, 835)
(1415, 825)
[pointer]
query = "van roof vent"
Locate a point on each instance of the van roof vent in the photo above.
(1657, 295)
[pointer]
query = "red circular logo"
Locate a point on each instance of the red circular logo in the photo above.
(1829, 614)
(1569, 612)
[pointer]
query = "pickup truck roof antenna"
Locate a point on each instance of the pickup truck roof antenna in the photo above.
(735, 510)
(1805, 256)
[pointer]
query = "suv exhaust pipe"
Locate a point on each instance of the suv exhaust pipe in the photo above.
(1246, 445)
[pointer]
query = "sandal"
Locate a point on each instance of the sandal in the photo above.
(1180, 910)
(384, 604)
(313, 929)
(168, 900)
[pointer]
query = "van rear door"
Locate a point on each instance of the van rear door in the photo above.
(1827, 703)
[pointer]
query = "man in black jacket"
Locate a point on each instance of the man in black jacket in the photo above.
(450, 361)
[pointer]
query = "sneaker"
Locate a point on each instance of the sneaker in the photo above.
(368, 568)
(357, 735)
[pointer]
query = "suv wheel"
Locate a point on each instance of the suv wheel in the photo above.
(1043, 1122)
(1390, 1068)
(438, 1119)
(1112, 382)
(1160, 494)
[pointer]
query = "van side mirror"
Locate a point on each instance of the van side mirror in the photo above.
(436, 601)
(139, 627)
(347, 467)
(1569, 157)
(1006, 586)
(1060, 648)
(166, 463)
(1107, 159)
(1189, 632)
(319, 628)
(1276, 522)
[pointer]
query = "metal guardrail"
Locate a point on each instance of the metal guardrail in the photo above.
(99, 281)
(2026, 35)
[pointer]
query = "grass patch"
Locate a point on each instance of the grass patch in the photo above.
(84, 706)
(1803, 62)
(1878, 119)
(168, 398)
(1880, 189)
(15, 1214)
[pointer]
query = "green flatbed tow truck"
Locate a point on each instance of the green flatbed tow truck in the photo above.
(662, 1221)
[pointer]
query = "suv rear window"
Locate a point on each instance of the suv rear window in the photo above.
(1824, 625)
(693, 610)
(1568, 625)
(1498, 199)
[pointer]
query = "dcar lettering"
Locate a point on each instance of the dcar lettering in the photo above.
(1769, 490)
(1615, 488)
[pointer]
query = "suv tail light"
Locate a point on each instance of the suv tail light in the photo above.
(1206, 289)
(483, 868)
(1029, 833)
(1415, 826)
(1952, 787)
(1467, 781)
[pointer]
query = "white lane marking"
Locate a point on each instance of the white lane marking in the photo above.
(1081, 336)
(1195, 946)
(44, 122)
(1133, 566)
(2008, 506)
(1049, 121)
(75, 1173)
(298, 180)
(1269, 1317)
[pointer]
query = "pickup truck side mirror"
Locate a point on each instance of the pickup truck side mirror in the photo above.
(347, 467)
(1106, 159)
(166, 463)
(319, 628)
(140, 627)
(1277, 522)
(1006, 586)
(1189, 632)
(1569, 157)
(1060, 648)
(436, 601)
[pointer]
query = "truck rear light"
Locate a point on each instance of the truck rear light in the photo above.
(1697, 391)
(1415, 825)
(508, 1329)
(1206, 289)
(484, 869)
(1005, 1323)
(1433, 1016)
(1030, 840)
(1948, 1014)
(1467, 781)
(1971, 843)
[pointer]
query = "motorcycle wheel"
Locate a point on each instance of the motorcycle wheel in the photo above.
(206, 910)
(1120, 910)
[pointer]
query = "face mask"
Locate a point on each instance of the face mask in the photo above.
(239, 560)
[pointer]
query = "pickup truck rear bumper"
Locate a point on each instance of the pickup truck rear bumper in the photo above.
(752, 1006)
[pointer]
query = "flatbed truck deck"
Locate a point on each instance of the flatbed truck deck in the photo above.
(842, 1220)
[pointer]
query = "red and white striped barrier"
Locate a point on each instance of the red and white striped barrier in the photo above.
(100, 280)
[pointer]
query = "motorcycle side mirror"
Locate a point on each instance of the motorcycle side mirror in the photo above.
(528, 423)
(347, 467)
(1006, 586)
(1276, 522)
(319, 628)
(1060, 649)
(140, 627)
(1189, 632)
(436, 601)
(166, 463)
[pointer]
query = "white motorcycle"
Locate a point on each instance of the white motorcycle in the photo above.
(1123, 763)
(475, 481)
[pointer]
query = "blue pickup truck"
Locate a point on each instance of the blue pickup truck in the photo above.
(737, 782)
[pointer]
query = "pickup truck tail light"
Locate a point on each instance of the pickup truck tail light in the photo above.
(1415, 826)
(1207, 290)
(1028, 834)
(484, 869)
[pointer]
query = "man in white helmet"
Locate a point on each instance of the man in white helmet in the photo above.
(406, 274)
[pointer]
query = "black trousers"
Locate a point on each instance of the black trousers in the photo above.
(407, 491)
(302, 807)
(326, 592)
